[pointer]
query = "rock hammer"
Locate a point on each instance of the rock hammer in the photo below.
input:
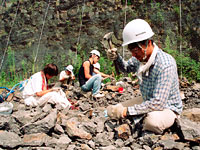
(107, 42)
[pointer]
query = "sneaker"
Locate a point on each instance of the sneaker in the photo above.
(98, 95)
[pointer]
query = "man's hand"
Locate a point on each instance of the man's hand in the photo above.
(116, 111)
(112, 54)
(56, 89)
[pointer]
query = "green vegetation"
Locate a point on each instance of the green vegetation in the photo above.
(186, 66)
(127, 1)
(11, 63)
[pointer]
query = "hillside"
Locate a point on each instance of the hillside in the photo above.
(60, 29)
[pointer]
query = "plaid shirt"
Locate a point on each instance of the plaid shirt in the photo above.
(160, 89)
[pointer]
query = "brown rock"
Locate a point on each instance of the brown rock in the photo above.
(112, 88)
(85, 147)
(74, 131)
(192, 114)
(35, 139)
(123, 131)
(169, 137)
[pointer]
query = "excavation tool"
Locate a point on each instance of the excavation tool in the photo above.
(107, 42)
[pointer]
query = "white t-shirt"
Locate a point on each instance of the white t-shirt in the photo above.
(63, 74)
(34, 85)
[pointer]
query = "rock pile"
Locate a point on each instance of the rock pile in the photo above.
(88, 128)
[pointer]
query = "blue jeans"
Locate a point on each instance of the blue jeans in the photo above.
(93, 83)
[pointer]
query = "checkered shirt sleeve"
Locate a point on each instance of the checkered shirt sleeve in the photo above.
(160, 89)
(131, 65)
(160, 96)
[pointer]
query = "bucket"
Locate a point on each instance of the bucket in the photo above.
(6, 108)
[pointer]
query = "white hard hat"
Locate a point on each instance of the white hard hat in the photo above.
(69, 68)
(135, 31)
(97, 65)
(96, 52)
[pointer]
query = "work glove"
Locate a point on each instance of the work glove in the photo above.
(112, 54)
(116, 111)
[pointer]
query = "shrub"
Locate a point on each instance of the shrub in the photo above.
(187, 67)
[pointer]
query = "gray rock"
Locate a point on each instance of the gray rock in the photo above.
(110, 147)
(125, 148)
(90, 127)
(23, 116)
(146, 147)
(170, 144)
(9, 140)
(61, 143)
(110, 125)
(84, 106)
(100, 126)
(128, 141)
(43, 125)
(196, 148)
(108, 96)
(192, 114)
(47, 108)
(102, 139)
(91, 144)
(58, 129)
(37, 148)
(73, 130)
(71, 147)
(136, 146)
(9, 123)
(85, 147)
(119, 143)
(191, 130)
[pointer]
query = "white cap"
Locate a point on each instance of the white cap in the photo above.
(96, 52)
(97, 65)
(69, 68)
(135, 31)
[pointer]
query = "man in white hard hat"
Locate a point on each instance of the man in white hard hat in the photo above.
(87, 80)
(157, 72)
(67, 75)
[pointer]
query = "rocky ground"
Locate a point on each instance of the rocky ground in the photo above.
(88, 128)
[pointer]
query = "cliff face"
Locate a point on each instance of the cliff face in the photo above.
(35, 29)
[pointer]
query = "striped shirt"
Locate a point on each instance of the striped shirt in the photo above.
(160, 89)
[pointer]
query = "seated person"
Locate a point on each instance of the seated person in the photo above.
(97, 71)
(87, 80)
(96, 67)
(67, 75)
(37, 93)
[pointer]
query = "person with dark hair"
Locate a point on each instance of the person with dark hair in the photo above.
(87, 80)
(36, 92)
(67, 76)
(51, 69)
(160, 103)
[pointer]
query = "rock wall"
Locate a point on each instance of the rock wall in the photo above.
(79, 26)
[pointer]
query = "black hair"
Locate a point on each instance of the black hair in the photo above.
(51, 69)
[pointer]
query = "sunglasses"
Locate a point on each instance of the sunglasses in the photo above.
(135, 47)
